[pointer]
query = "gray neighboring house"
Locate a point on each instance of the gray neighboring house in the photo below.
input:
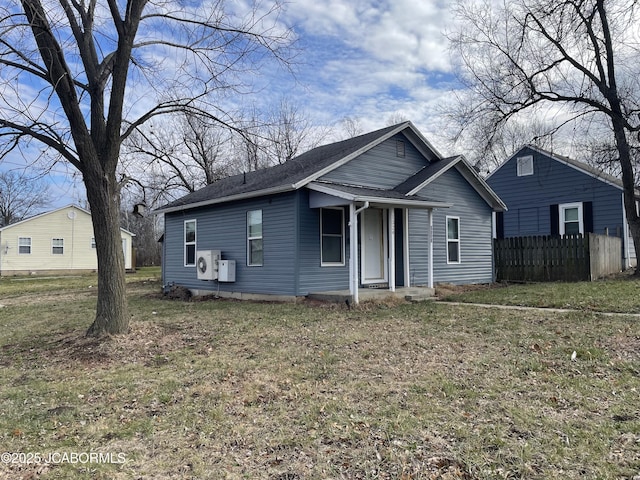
(549, 194)
(381, 210)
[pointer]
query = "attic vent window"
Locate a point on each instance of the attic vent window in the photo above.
(525, 166)
(399, 148)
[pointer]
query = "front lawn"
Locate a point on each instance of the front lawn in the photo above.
(226, 389)
(620, 295)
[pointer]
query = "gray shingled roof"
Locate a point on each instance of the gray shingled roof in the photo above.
(280, 176)
(309, 166)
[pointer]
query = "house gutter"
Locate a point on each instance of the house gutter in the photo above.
(353, 250)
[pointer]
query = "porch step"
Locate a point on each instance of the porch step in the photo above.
(412, 294)
(420, 295)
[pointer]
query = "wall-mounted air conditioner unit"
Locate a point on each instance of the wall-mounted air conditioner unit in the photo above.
(207, 264)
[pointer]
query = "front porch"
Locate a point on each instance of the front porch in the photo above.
(412, 294)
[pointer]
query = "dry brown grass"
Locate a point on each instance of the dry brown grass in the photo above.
(223, 389)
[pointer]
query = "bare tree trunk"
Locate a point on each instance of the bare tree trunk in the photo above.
(112, 316)
(628, 184)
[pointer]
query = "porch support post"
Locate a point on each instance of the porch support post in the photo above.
(353, 253)
(430, 240)
(392, 250)
(405, 250)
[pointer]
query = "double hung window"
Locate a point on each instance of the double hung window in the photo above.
(332, 236)
(453, 240)
(255, 252)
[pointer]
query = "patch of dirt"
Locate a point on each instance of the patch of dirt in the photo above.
(146, 343)
(445, 289)
(49, 298)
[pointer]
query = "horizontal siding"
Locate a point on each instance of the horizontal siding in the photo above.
(475, 234)
(76, 232)
(553, 183)
(384, 169)
(313, 276)
(224, 228)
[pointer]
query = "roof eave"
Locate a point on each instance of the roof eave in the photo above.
(418, 140)
(372, 199)
(348, 158)
(229, 198)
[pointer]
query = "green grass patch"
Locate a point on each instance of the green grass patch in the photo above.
(620, 295)
(227, 389)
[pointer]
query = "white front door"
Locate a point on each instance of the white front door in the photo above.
(374, 246)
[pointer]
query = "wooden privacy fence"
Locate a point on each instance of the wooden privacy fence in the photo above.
(567, 258)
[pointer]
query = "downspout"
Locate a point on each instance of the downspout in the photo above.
(392, 250)
(430, 240)
(353, 247)
(406, 247)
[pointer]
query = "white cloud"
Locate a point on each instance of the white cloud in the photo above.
(372, 59)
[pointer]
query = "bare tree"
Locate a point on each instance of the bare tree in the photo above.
(488, 151)
(80, 77)
(275, 136)
(574, 59)
(187, 154)
(351, 126)
(20, 197)
(289, 133)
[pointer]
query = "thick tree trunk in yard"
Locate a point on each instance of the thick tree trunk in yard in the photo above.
(112, 316)
(628, 180)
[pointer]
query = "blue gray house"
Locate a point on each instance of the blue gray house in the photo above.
(549, 194)
(380, 210)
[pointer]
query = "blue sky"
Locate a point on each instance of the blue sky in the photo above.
(366, 59)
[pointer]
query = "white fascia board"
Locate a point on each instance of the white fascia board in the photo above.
(397, 202)
(378, 200)
(424, 141)
(71, 205)
(485, 191)
(577, 167)
(400, 128)
(508, 160)
(473, 178)
(348, 158)
(433, 177)
(230, 198)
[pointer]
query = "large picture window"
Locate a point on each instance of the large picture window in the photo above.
(189, 243)
(24, 245)
(453, 240)
(255, 251)
(332, 236)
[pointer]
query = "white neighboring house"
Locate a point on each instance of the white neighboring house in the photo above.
(59, 241)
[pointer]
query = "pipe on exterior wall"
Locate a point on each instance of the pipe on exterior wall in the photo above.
(353, 248)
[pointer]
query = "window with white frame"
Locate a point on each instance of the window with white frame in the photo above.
(255, 252)
(525, 165)
(24, 245)
(93, 242)
(189, 243)
(571, 219)
(453, 240)
(332, 236)
(57, 246)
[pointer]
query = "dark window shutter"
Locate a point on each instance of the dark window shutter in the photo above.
(554, 218)
(587, 217)
(500, 225)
